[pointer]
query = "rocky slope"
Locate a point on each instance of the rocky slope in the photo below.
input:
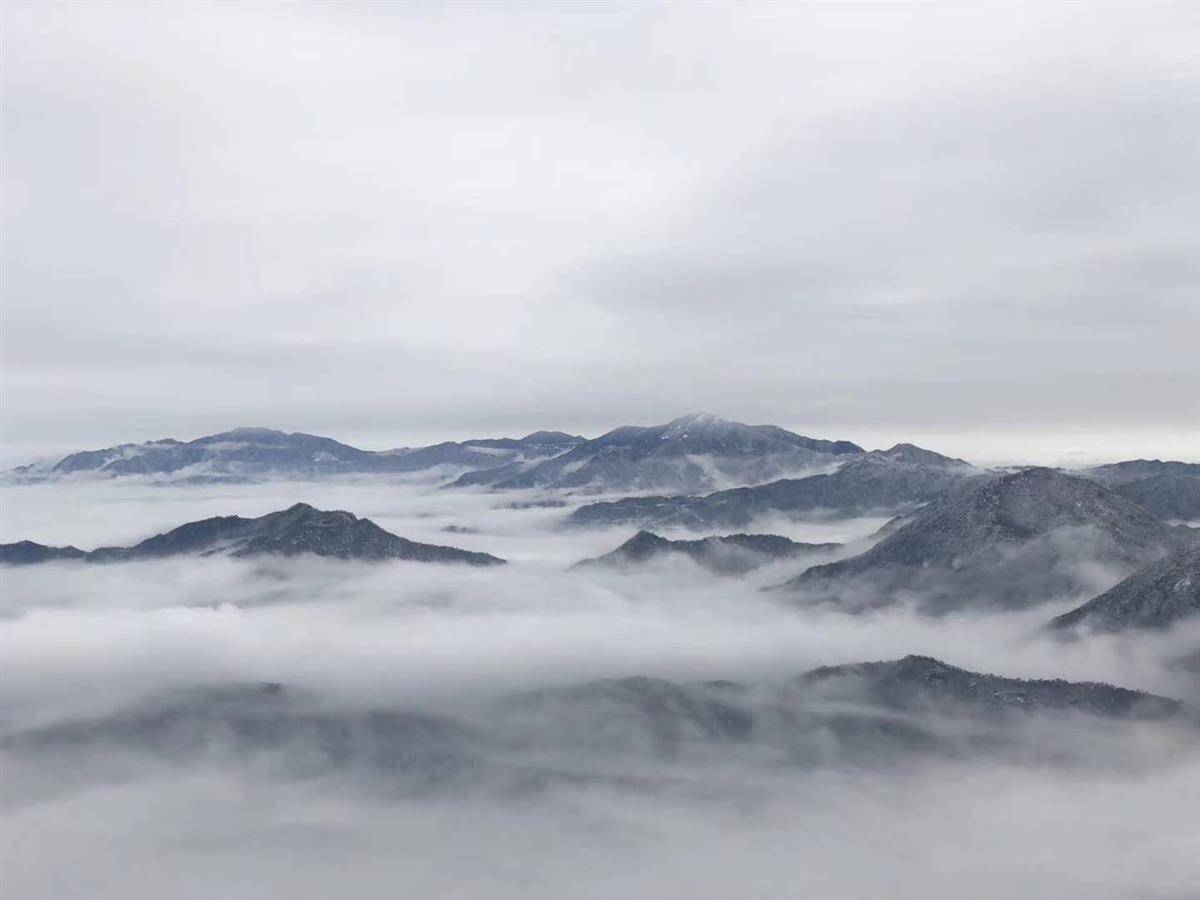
(1156, 596)
(1012, 541)
(297, 530)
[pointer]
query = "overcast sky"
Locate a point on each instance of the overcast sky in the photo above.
(972, 225)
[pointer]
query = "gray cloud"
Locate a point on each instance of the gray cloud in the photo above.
(399, 224)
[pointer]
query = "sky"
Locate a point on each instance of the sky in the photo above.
(974, 225)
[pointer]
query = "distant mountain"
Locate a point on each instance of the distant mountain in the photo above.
(1155, 596)
(732, 554)
(1143, 468)
(296, 530)
(1170, 490)
(878, 714)
(882, 481)
(260, 452)
(250, 721)
(25, 553)
(696, 452)
(1013, 541)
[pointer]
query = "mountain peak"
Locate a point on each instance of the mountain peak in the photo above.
(699, 422)
(911, 453)
(642, 544)
(700, 418)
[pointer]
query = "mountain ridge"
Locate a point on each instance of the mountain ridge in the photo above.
(893, 480)
(299, 529)
(263, 452)
(688, 453)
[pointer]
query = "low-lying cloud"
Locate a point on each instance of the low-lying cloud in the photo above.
(86, 641)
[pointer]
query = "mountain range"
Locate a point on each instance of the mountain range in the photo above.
(1171, 490)
(689, 453)
(695, 452)
(248, 453)
(715, 473)
(872, 714)
(300, 529)
(882, 481)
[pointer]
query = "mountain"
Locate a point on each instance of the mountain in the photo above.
(917, 683)
(882, 481)
(691, 453)
(733, 554)
(296, 530)
(878, 714)
(249, 721)
(1013, 541)
(1170, 490)
(1156, 596)
(1143, 468)
(259, 452)
(29, 553)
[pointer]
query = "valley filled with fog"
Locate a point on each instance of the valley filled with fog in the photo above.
(578, 795)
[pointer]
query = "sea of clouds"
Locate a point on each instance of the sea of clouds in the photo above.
(82, 641)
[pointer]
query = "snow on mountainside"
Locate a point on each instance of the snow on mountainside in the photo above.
(264, 452)
(1156, 596)
(691, 453)
(894, 480)
(1168, 489)
(1013, 541)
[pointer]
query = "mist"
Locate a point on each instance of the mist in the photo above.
(85, 643)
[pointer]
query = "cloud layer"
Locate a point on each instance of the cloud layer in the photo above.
(80, 641)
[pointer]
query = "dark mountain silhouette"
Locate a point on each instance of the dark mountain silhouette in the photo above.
(900, 478)
(296, 530)
(1013, 541)
(731, 554)
(1156, 596)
